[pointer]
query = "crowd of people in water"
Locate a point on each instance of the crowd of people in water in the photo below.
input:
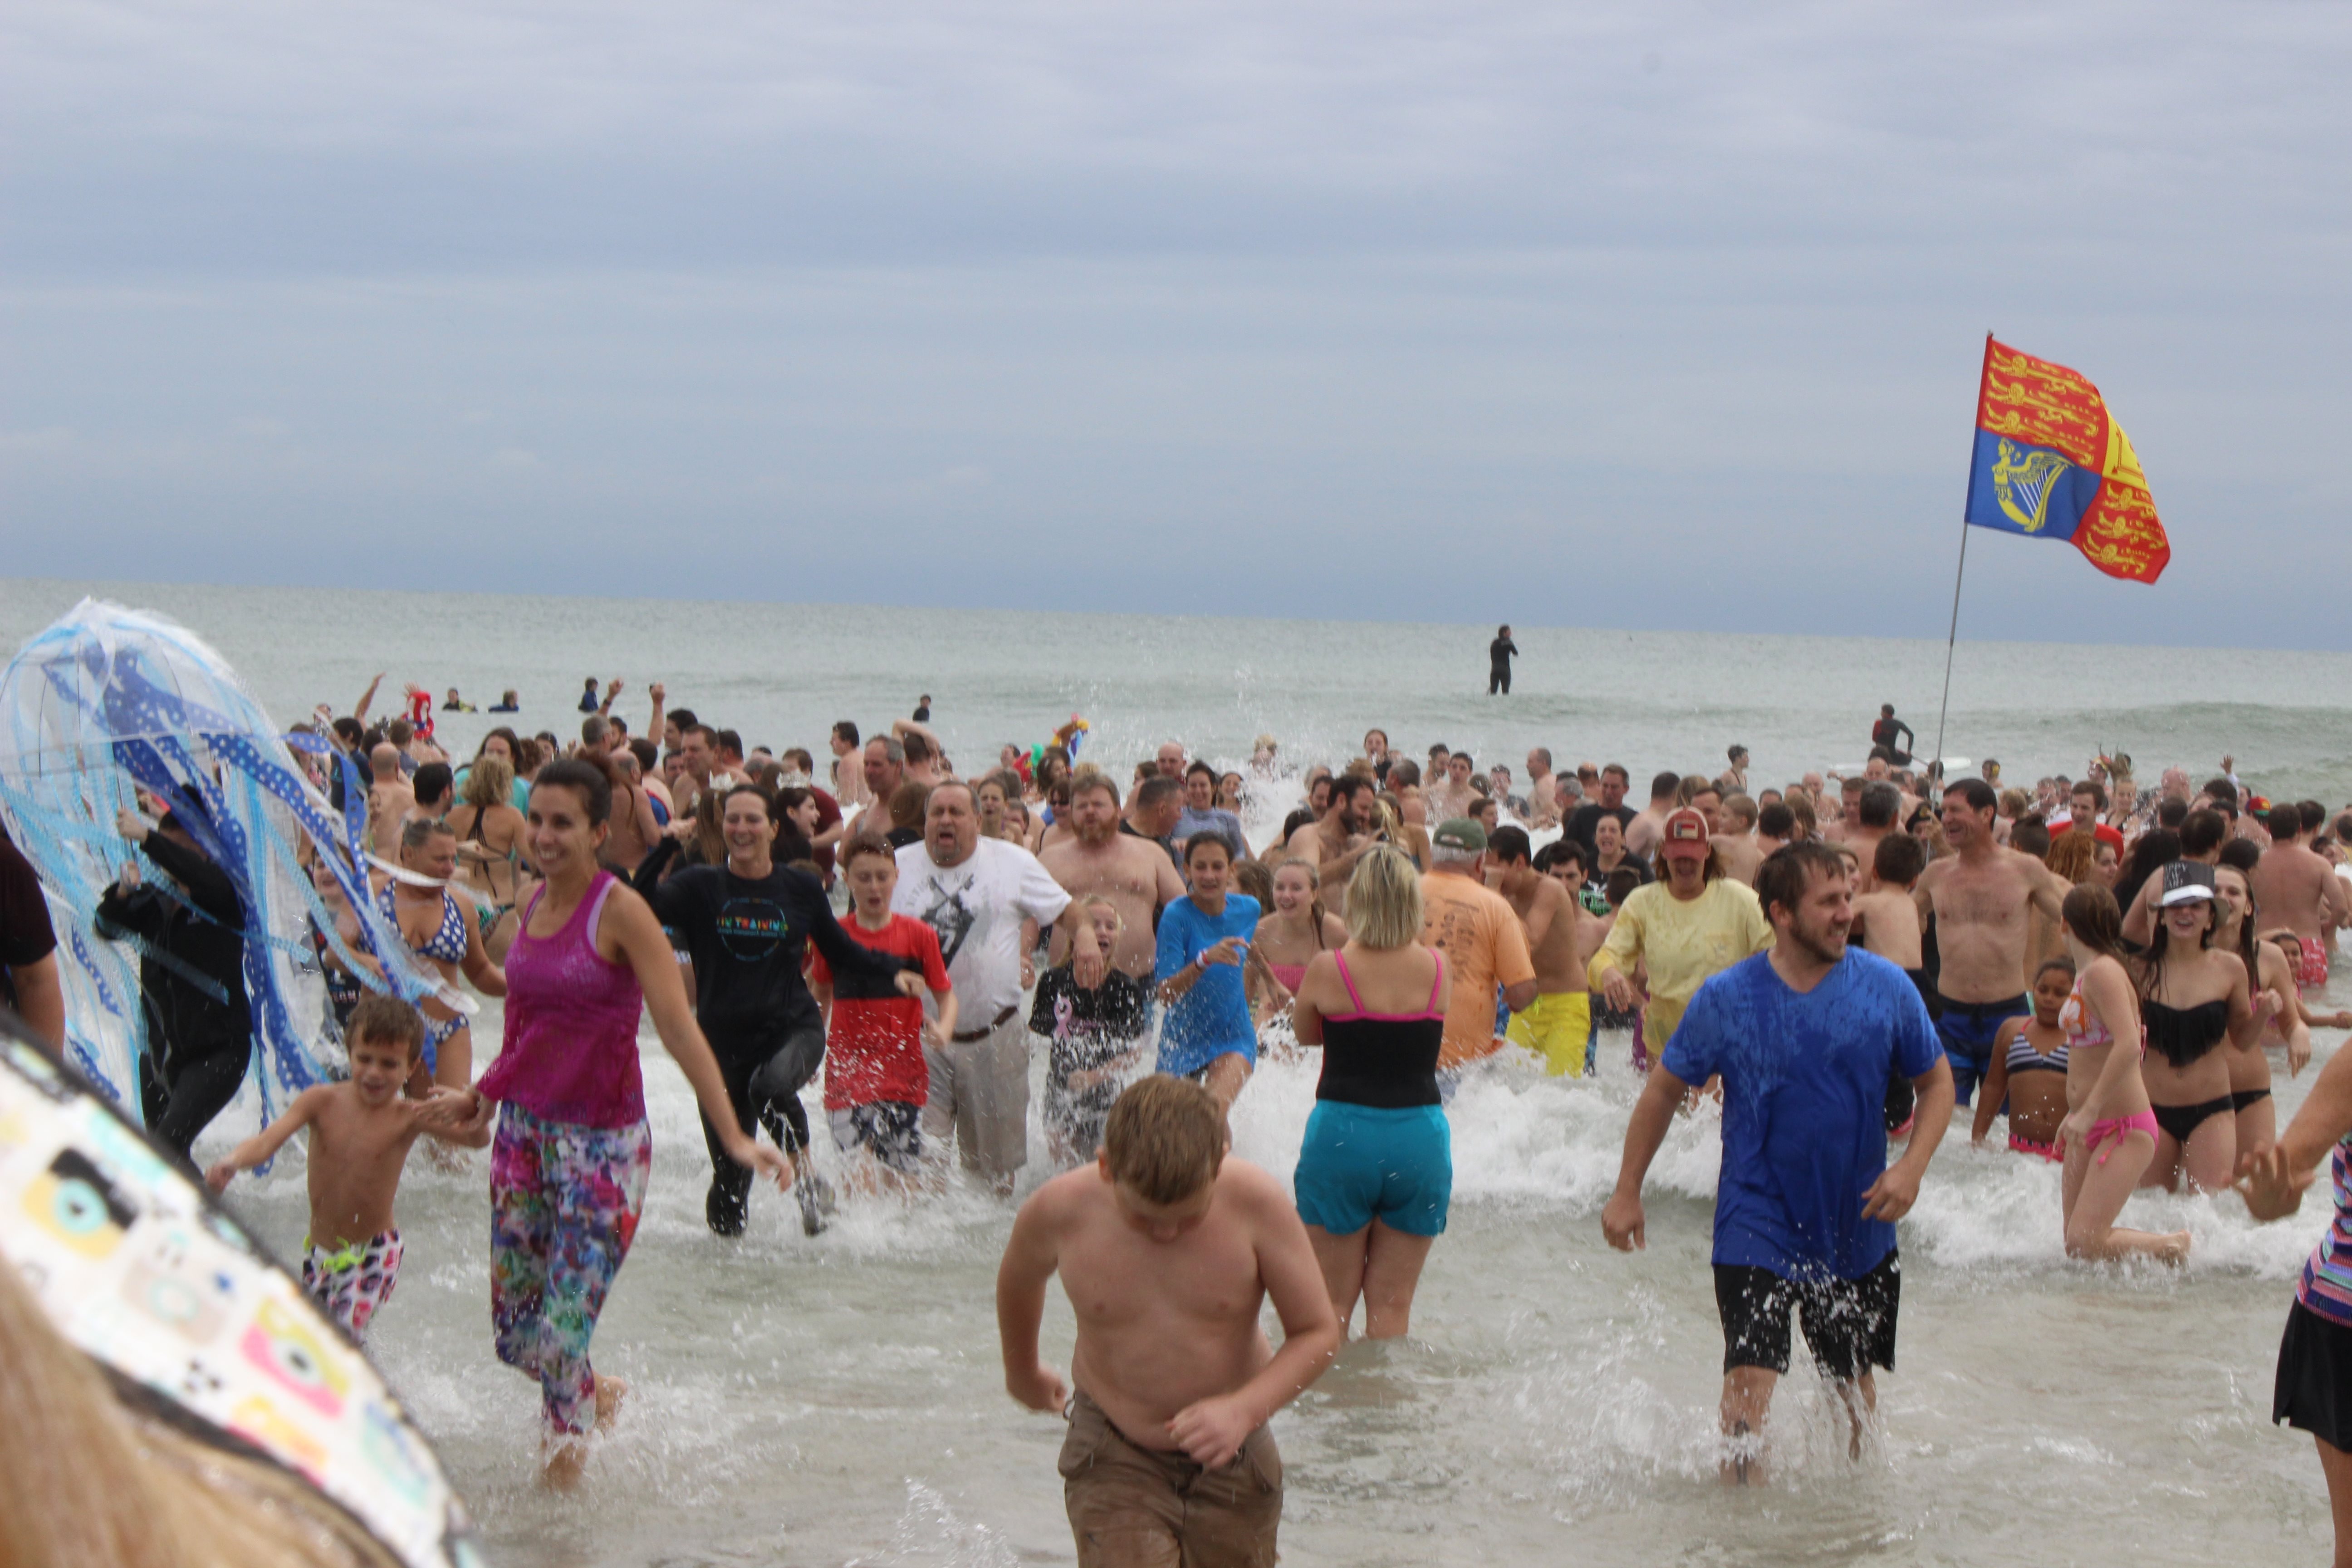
(2095, 973)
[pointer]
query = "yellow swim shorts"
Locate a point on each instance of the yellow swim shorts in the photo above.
(1559, 1028)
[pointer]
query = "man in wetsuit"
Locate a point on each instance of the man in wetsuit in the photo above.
(1893, 734)
(1498, 661)
(191, 976)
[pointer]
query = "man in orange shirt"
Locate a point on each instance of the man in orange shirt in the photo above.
(1485, 946)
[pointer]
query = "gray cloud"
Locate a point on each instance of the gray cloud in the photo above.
(1640, 315)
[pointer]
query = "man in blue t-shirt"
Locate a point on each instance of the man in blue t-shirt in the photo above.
(1805, 1038)
(1207, 1032)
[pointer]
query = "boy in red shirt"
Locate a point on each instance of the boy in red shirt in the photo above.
(876, 1079)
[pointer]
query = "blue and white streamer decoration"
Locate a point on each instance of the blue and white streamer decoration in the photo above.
(108, 700)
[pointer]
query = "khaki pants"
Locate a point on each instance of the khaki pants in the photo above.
(1140, 1507)
(979, 1099)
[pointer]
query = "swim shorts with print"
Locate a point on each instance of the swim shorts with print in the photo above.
(890, 1129)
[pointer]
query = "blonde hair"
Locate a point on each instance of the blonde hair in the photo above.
(1384, 900)
(1101, 901)
(1165, 1138)
(85, 1479)
(488, 783)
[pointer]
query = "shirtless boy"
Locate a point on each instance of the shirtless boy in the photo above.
(1166, 1248)
(1124, 868)
(359, 1134)
(1980, 898)
(1558, 1025)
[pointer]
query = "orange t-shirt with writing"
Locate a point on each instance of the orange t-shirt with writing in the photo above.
(1485, 946)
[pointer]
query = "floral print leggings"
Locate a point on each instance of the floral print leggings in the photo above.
(564, 1203)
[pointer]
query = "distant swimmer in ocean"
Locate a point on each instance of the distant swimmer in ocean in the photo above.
(1498, 661)
(453, 703)
(507, 702)
(588, 703)
(1894, 735)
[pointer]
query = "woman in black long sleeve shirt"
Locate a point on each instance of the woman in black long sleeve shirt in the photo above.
(191, 979)
(747, 925)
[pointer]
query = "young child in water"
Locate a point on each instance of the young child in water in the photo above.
(1167, 1250)
(2029, 1070)
(360, 1135)
(1098, 1041)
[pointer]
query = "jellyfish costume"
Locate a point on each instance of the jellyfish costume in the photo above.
(109, 701)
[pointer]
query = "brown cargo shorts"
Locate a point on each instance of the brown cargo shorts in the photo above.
(1141, 1508)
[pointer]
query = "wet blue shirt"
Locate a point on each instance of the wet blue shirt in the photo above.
(1214, 1016)
(1805, 1106)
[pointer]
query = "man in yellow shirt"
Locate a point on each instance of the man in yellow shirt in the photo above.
(1480, 935)
(1693, 924)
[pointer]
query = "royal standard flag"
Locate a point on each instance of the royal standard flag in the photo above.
(2051, 463)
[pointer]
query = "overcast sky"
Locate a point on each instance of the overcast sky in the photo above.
(1640, 315)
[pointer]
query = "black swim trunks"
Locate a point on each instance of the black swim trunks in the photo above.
(1849, 1323)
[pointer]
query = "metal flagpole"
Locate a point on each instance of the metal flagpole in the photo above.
(1952, 642)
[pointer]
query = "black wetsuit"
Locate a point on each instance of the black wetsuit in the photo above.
(1896, 737)
(747, 939)
(1498, 666)
(192, 983)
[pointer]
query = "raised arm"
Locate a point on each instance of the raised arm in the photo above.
(367, 698)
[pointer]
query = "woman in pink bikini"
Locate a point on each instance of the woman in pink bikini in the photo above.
(2109, 1134)
(1297, 928)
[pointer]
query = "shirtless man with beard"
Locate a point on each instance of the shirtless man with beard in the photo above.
(1980, 899)
(1340, 839)
(1128, 868)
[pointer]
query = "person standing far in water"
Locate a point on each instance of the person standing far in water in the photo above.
(974, 893)
(589, 701)
(1980, 898)
(1894, 735)
(1376, 1167)
(1804, 1037)
(1168, 1249)
(573, 1151)
(1498, 661)
(1685, 930)
(1207, 1033)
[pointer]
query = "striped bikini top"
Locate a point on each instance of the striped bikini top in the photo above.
(2326, 1284)
(2023, 1057)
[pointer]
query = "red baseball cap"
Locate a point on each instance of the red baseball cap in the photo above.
(1685, 834)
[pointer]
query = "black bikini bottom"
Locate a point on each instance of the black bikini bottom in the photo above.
(2181, 1121)
(2241, 1098)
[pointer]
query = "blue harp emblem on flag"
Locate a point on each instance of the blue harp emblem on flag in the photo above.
(2022, 482)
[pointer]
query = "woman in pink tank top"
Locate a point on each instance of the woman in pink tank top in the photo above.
(569, 1165)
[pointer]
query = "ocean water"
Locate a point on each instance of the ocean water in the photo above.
(838, 1400)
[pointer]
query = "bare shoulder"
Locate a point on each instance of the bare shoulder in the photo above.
(1065, 1198)
(1252, 1189)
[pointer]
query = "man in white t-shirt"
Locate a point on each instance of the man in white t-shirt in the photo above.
(973, 893)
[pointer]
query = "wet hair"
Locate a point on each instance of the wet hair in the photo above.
(1977, 794)
(915, 748)
(648, 756)
(2314, 814)
(1346, 787)
(488, 782)
(2170, 813)
(867, 844)
(1790, 869)
(1665, 784)
(1203, 840)
(1561, 849)
(1164, 1139)
(432, 782)
(2241, 853)
(1899, 858)
(386, 1020)
(1620, 883)
(2201, 834)
(909, 803)
(1508, 844)
(2094, 917)
(1384, 903)
(726, 741)
(2030, 834)
(1154, 793)
(847, 730)
(1880, 802)
(419, 831)
(1776, 820)
(593, 784)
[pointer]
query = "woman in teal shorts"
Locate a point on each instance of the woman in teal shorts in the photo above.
(1376, 1169)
